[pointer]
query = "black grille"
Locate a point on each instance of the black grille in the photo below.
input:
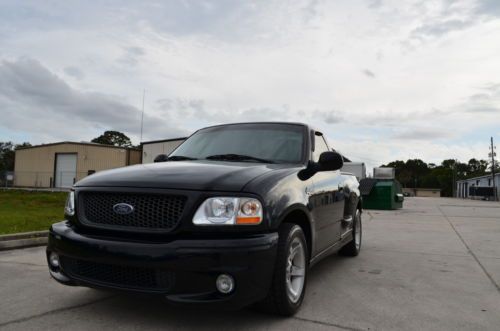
(151, 211)
(118, 276)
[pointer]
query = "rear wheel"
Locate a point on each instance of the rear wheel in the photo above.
(354, 246)
(290, 272)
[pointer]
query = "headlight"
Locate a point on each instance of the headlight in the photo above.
(229, 211)
(69, 209)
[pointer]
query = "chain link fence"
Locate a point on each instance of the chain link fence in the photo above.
(6, 178)
(39, 179)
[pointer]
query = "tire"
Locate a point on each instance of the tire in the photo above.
(353, 247)
(281, 299)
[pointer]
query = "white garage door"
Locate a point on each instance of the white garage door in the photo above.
(65, 170)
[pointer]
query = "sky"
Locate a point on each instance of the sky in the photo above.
(383, 80)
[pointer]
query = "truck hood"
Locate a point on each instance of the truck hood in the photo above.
(186, 175)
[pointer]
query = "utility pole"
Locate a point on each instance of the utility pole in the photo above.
(493, 154)
(454, 178)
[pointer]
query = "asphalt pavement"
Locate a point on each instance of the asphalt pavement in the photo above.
(434, 265)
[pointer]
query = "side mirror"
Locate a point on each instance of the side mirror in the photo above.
(161, 158)
(329, 161)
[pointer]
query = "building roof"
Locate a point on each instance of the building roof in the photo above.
(478, 177)
(162, 141)
(77, 143)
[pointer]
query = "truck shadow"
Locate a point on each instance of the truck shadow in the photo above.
(148, 312)
(139, 312)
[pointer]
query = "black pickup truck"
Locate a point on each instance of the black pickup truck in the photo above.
(236, 215)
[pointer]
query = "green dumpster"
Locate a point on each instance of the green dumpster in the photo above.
(381, 194)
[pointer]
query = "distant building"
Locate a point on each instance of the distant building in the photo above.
(478, 187)
(358, 169)
(62, 164)
(423, 192)
(151, 149)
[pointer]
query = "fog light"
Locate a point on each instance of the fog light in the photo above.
(225, 283)
(54, 260)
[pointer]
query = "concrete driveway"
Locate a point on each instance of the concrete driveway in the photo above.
(434, 265)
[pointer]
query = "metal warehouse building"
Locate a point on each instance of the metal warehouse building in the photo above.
(478, 187)
(62, 164)
(423, 192)
(151, 149)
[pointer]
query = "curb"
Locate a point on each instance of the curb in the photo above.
(23, 240)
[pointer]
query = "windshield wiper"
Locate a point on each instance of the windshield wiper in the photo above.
(237, 157)
(180, 158)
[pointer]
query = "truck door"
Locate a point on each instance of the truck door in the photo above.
(327, 201)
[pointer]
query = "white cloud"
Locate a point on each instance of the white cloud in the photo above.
(39, 102)
(364, 72)
(74, 72)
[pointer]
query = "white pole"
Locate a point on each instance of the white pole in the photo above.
(142, 117)
(493, 169)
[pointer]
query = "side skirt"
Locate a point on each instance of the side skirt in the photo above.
(346, 237)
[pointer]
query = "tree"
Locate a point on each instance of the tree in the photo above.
(23, 145)
(416, 173)
(477, 167)
(7, 155)
(405, 177)
(462, 170)
(403, 174)
(399, 166)
(444, 178)
(418, 168)
(114, 138)
(449, 163)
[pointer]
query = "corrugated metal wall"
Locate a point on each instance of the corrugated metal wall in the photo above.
(135, 157)
(463, 186)
(34, 167)
(152, 150)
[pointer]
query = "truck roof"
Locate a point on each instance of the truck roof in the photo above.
(259, 122)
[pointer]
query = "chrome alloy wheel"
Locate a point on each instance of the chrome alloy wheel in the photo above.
(295, 270)
(357, 230)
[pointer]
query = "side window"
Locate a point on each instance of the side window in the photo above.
(319, 147)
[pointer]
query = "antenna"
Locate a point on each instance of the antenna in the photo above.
(142, 117)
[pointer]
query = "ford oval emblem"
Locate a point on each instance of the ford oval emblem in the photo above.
(123, 208)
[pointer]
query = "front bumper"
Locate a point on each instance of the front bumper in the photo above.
(189, 268)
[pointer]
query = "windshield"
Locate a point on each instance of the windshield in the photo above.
(278, 143)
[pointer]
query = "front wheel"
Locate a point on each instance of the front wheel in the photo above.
(290, 272)
(353, 247)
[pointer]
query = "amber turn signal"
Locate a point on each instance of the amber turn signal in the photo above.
(248, 220)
